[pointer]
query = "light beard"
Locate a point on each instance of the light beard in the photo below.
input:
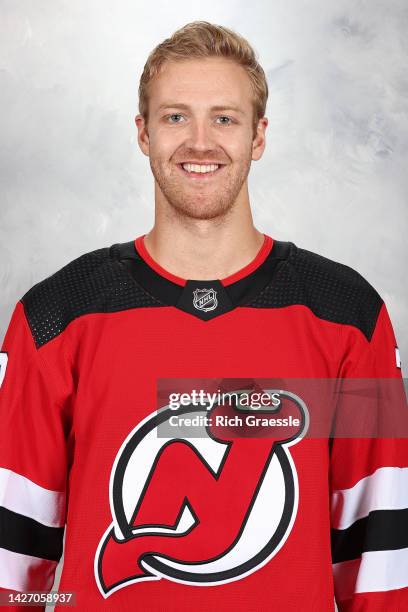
(205, 203)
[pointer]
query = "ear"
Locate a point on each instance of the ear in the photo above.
(259, 142)
(142, 134)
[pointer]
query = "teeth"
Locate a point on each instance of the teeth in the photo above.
(198, 168)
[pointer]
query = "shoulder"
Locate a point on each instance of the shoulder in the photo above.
(331, 290)
(92, 282)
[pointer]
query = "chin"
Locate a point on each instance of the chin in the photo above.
(201, 211)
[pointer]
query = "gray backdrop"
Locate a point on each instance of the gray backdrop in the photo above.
(334, 175)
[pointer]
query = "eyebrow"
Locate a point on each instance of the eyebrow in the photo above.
(219, 107)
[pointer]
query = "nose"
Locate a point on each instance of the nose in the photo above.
(200, 136)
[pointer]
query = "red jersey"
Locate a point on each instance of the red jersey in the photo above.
(155, 522)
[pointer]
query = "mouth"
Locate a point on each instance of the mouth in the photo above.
(191, 174)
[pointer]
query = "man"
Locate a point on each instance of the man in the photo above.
(95, 355)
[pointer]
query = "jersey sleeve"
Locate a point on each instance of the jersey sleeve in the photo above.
(369, 484)
(33, 462)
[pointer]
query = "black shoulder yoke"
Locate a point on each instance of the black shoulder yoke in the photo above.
(93, 282)
(116, 278)
(333, 291)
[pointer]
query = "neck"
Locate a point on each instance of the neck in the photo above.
(204, 249)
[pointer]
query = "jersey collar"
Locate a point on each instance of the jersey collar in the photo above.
(204, 299)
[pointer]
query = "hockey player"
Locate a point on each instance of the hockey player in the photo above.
(204, 300)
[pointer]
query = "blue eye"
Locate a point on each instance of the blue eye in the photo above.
(225, 117)
(174, 115)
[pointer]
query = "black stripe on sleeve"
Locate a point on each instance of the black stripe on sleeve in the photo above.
(380, 530)
(26, 536)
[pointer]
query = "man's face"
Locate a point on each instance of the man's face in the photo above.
(184, 127)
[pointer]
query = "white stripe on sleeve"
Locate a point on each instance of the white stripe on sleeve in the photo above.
(22, 495)
(385, 489)
(380, 570)
(24, 573)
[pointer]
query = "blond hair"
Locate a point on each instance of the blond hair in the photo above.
(201, 39)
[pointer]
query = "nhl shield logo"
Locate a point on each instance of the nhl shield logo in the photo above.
(205, 299)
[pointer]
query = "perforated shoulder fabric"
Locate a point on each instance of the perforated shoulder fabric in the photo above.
(93, 282)
(333, 291)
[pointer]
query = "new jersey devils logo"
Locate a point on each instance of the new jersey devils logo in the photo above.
(202, 511)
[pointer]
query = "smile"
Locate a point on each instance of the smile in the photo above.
(196, 171)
